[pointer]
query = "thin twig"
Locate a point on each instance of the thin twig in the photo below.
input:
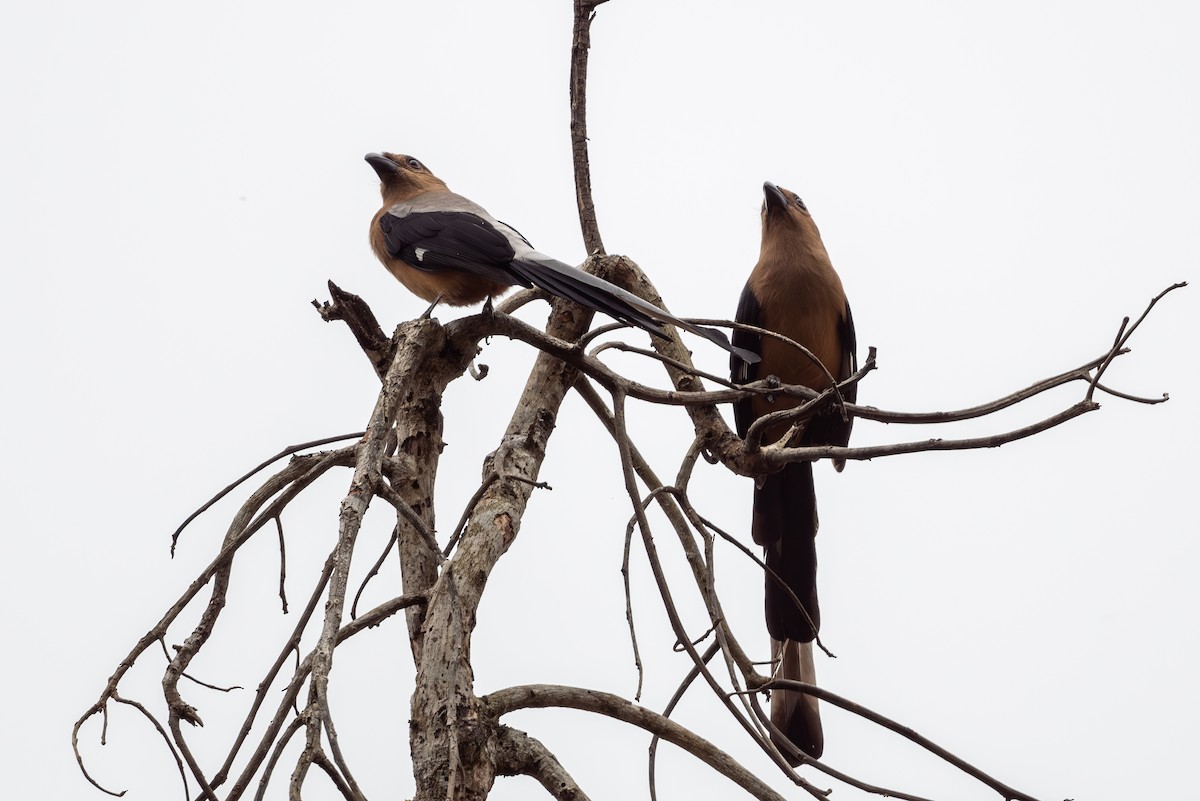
(637, 654)
(771, 574)
(374, 571)
(385, 491)
(580, 42)
(355, 792)
(780, 740)
(291, 645)
(282, 563)
(276, 753)
(660, 579)
(1125, 332)
(288, 451)
(907, 733)
(652, 755)
(167, 654)
(467, 510)
(187, 794)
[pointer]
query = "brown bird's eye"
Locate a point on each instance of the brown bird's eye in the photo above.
(414, 164)
(800, 203)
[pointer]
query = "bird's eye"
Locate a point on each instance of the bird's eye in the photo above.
(800, 203)
(413, 164)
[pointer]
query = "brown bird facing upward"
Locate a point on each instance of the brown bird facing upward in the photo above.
(444, 248)
(793, 291)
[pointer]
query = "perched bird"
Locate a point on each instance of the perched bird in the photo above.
(794, 291)
(444, 248)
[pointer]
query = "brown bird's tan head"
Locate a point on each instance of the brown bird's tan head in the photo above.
(787, 226)
(401, 176)
(781, 204)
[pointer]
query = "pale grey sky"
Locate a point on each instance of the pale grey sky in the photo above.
(997, 186)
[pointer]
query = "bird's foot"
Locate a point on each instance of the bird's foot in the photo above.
(429, 312)
(488, 313)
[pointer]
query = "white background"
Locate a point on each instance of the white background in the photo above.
(997, 186)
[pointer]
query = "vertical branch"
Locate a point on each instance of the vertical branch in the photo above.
(581, 41)
(453, 744)
(417, 341)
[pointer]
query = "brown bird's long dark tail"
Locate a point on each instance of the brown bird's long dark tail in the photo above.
(785, 522)
(599, 295)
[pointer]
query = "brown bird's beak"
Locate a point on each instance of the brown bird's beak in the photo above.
(383, 166)
(771, 194)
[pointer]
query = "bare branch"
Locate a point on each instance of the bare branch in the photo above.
(165, 737)
(295, 726)
(301, 472)
(361, 321)
(541, 696)
(652, 756)
(384, 490)
(734, 453)
(467, 510)
(283, 565)
(665, 592)
(580, 43)
(290, 646)
(804, 758)
(1126, 332)
(292, 692)
(1004, 790)
(368, 479)
(374, 571)
(351, 789)
(288, 451)
(518, 754)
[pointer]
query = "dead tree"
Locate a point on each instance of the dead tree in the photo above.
(459, 742)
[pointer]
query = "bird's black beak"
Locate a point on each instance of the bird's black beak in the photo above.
(384, 167)
(771, 194)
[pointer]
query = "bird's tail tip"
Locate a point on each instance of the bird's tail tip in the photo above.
(796, 715)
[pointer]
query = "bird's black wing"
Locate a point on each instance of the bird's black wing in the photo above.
(741, 371)
(839, 429)
(849, 354)
(450, 240)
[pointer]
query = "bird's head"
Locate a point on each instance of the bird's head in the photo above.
(783, 206)
(401, 176)
(786, 222)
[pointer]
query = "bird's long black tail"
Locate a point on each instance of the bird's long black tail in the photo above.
(569, 282)
(785, 524)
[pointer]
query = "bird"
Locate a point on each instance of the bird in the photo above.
(793, 290)
(445, 248)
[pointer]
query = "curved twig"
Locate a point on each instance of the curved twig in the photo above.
(374, 571)
(384, 490)
(652, 756)
(288, 451)
(540, 696)
(907, 733)
(467, 510)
